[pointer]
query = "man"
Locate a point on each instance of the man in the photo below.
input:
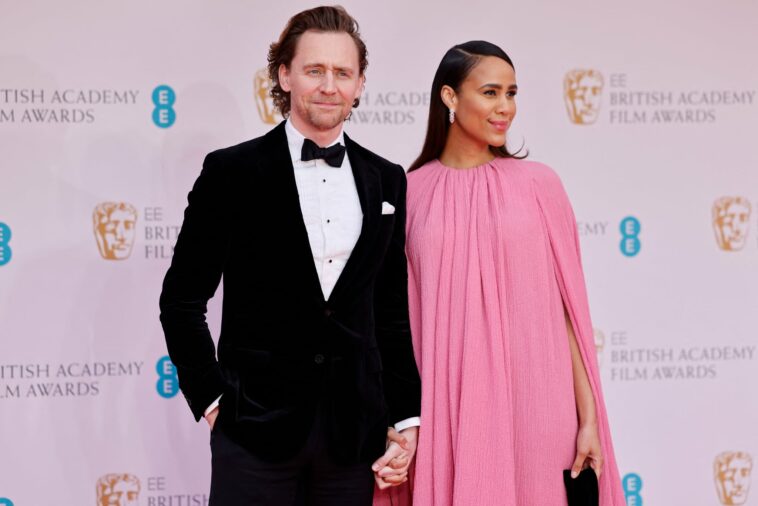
(315, 357)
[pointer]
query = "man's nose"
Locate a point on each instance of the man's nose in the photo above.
(327, 83)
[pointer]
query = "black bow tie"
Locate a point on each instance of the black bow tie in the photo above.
(333, 155)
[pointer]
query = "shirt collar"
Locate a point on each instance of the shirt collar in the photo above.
(295, 140)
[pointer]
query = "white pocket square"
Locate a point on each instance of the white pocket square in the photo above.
(388, 208)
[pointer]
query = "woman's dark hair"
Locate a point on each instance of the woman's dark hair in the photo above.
(319, 19)
(454, 68)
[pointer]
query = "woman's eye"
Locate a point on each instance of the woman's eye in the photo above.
(491, 93)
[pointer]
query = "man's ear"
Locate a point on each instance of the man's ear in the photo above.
(284, 77)
(361, 87)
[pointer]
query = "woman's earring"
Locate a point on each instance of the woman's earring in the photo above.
(452, 116)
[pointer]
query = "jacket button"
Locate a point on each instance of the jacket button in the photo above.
(319, 359)
(328, 312)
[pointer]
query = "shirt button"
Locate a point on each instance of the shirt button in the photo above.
(330, 260)
(319, 359)
(328, 221)
(323, 180)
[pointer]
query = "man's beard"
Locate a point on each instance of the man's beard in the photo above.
(323, 121)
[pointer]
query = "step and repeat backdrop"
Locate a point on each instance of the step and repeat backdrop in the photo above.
(647, 110)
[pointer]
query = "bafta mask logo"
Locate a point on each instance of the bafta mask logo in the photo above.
(599, 345)
(115, 227)
(582, 91)
(118, 490)
(731, 471)
(263, 100)
(731, 220)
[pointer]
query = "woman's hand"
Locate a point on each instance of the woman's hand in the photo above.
(391, 469)
(588, 450)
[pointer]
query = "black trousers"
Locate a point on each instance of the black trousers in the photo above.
(311, 478)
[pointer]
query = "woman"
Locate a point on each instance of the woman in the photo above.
(502, 333)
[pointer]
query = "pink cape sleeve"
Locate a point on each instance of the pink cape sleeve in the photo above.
(564, 241)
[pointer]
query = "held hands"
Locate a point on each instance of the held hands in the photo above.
(588, 450)
(391, 469)
(211, 417)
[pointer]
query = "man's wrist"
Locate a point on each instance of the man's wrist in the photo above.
(213, 406)
(414, 421)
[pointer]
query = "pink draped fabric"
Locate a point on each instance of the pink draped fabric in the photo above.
(493, 256)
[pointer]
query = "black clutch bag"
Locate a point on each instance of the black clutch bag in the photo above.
(582, 490)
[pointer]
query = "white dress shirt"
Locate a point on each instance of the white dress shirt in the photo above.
(330, 206)
(333, 218)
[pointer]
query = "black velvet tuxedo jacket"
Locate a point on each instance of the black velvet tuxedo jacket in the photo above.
(283, 349)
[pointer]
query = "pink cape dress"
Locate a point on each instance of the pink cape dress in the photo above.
(493, 256)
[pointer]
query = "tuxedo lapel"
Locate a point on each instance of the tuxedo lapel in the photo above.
(281, 186)
(368, 184)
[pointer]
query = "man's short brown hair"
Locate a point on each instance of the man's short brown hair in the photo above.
(319, 19)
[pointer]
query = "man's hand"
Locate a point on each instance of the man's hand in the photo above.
(211, 417)
(391, 469)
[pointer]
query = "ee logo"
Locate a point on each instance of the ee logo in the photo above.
(632, 485)
(630, 241)
(5, 502)
(163, 99)
(5, 251)
(168, 381)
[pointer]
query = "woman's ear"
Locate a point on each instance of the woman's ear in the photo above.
(447, 94)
